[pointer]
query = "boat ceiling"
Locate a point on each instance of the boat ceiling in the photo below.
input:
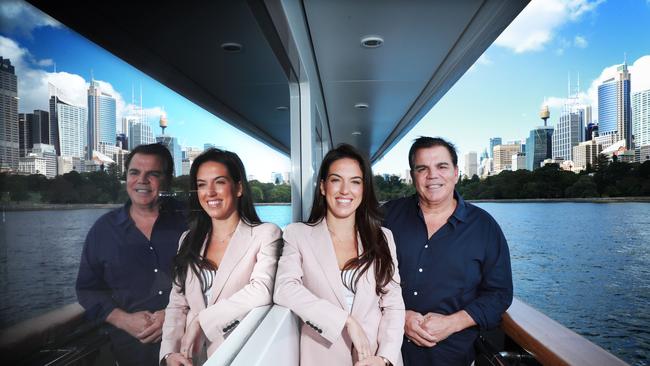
(427, 47)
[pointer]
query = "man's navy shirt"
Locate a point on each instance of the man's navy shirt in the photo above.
(465, 265)
(121, 268)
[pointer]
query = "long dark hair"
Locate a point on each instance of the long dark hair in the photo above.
(368, 220)
(200, 224)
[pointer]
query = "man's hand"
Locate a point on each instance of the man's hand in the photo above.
(132, 323)
(190, 342)
(442, 326)
(415, 332)
(153, 333)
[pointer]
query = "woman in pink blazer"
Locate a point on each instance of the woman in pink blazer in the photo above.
(226, 262)
(339, 274)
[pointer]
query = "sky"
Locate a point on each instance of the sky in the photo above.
(530, 63)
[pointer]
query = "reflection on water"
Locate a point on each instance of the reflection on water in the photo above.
(585, 265)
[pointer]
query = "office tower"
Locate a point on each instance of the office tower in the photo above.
(9, 137)
(122, 141)
(471, 164)
(569, 132)
(42, 160)
(101, 119)
(538, 146)
(33, 129)
(171, 143)
(503, 156)
(641, 118)
(71, 124)
(614, 107)
(591, 131)
(494, 141)
(140, 133)
(518, 161)
(25, 140)
(586, 153)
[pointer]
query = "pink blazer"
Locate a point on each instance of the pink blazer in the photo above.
(309, 283)
(244, 280)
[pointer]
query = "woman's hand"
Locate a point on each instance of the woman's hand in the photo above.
(359, 338)
(190, 342)
(176, 359)
(371, 361)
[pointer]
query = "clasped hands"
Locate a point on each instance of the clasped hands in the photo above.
(430, 329)
(143, 325)
(362, 345)
(190, 344)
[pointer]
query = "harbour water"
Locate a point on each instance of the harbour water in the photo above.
(585, 265)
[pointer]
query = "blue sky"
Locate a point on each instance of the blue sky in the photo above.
(499, 96)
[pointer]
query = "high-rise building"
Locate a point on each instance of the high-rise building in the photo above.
(48, 154)
(25, 139)
(102, 119)
(586, 153)
(614, 107)
(503, 156)
(569, 132)
(641, 118)
(518, 161)
(538, 146)
(171, 143)
(140, 133)
(471, 164)
(122, 141)
(71, 123)
(494, 141)
(33, 128)
(9, 136)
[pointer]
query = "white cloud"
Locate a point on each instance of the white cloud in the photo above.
(580, 42)
(34, 90)
(20, 17)
(540, 21)
(640, 75)
(483, 60)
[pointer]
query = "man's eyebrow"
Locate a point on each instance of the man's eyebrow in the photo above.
(420, 166)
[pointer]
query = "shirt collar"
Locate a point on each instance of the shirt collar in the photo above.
(459, 214)
(123, 213)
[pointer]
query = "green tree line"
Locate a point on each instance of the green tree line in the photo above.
(608, 179)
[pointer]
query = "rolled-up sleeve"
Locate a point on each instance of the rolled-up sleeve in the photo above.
(495, 290)
(92, 291)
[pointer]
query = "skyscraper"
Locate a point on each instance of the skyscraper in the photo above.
(614, 107)
(494, 141)
(102, 119)
(641, 118)
(9, 140)
(538, 146)
(140, 133)
(72, 122)
(171, 143)
(33, 128)
(503, 156)
(569, 132)
(471, 164)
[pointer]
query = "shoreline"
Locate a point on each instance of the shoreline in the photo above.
(574, 200)
(83, 206)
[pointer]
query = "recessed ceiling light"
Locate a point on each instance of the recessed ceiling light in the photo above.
(361, 106)
(356, 133)
(372, 41)
(232, 47)
(282, 108)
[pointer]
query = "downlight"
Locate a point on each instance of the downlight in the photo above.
(232, 47)
(372, 41)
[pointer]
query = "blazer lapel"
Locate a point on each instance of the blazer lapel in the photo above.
(193, 290)
(323, 249)
(237, 247)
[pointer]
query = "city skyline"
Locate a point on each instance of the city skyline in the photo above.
(587, 39)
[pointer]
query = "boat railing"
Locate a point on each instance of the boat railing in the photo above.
(550, 342)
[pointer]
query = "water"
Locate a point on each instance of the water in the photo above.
(585, 265)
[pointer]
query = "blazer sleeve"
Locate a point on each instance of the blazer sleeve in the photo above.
(290, 292)
(216, 318)
(391, 325)
(175, 318)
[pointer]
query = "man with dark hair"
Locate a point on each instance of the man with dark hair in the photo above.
(125, 271)
(453, 259)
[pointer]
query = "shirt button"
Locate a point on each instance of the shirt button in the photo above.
(420, 270)
(160, 293)
(426, 245)
(151, 248)
(156, 270)
(415, 293)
